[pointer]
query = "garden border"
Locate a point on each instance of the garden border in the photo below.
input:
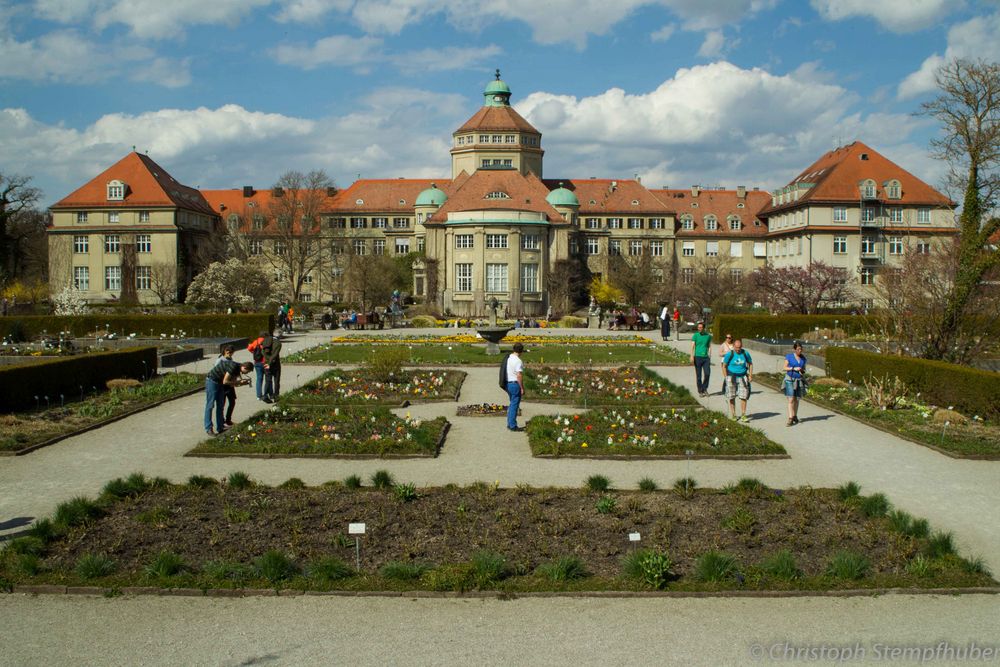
(901, 436)
(665, 457)
(100, 424)
(405, 404)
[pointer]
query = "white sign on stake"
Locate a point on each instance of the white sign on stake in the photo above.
(634, 537)
(355, 529)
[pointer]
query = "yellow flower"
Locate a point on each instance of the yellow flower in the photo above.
(584, 445)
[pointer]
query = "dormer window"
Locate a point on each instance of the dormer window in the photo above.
(735, 224)
(711, 223)
(496, 194)
(116, 190)
(867, 189)
(893, 189)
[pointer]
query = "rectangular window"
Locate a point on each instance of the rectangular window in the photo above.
(496, 241)
(81, 244)
(307, 279)
(593, 223)
(895, 214)
(736, 248)
(530, 242)
(510, 139)
(380, 223)
(529, 277)
(280, 248)
(144, 243)
(656, 248)
(614, 223)
(113, 216)
(306, 296)
(256, 246)
(712, 248)
(759, 249)
(508, 163)
(360, 247)
(258, 222)
(112, 243)
(839, 245)
(924, 216)
(868, 215)
(736, 275)
(711, 224)
(81, 278)
(420, 243)
(574, 247)
(485, 163)
(335, 223)
(464, 241)
(143, 277)
(656, 223)
(400, 223)
(635, 247)
(81, 218)
(867, 276)
(614, 247)
(496, 277)
(687, 276)
(923, 248)
(840, 214)
(402, 246)
(593, 246)
(358, 223)
(378, 247)
(687, 250)
(112, 277)
(463, 277)
(867, 245)
(687, 224)
(635, 223)
(735, 224)
(895, 245)
(497, 139)
(484, 139)
(143, 216)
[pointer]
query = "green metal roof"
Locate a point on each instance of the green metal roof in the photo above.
(432, 196)
(495, 221)
(562, 197)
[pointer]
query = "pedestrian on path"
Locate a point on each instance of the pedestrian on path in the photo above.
(724, 348)
(512, 380)
(701, 357)
(272, 368)
(795, 381)
(228, 391)
(677, 323)
(224, 374)
(256, 348)
(665, 322)
(737, 366)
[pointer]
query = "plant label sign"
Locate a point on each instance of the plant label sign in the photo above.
(355, 529)
(634, 537)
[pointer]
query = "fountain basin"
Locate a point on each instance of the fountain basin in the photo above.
(493, 336)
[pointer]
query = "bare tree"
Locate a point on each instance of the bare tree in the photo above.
(713, 285)
(802, 290)
(17, 198)
(129, 294)
(567, 282)
(370, 279)
(163, 281)
(968, 109)
(28, 245)
(637, 278)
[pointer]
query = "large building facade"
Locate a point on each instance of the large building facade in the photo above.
(499, 228)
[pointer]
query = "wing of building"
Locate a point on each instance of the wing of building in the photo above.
(498, 228)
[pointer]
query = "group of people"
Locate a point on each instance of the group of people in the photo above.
(666, 317)
(286, 316)
(737, 372)
(226, 375)
(636, 319)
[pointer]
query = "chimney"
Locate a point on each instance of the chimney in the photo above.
(695, 190)
(331, 191)
(248, 191)
(278, 192)
(741, 191)
(614, 186)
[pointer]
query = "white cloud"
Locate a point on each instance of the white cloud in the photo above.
(664, 33)
(338, 50)
(894, 15)
(975, 38)
(149, 19)
(713, 44)
(445, 58)
(301, 11)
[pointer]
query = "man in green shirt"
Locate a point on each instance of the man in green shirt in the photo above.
(701, 357)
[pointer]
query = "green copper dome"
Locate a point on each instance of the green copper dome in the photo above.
(497, 93)
(497, 86)
(562, 197)
(432, 196)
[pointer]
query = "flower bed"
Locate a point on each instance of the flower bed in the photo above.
(610, 386)
(23, 432)
(337, 432)
(483, 410)
(358, 387)
(240, 535)
(639, 433)
(511, 338)
(968, 437)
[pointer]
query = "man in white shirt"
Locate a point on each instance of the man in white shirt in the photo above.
(515, 385)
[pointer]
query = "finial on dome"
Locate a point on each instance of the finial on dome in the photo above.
(498, 74)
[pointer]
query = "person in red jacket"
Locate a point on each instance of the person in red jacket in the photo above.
(256, 348)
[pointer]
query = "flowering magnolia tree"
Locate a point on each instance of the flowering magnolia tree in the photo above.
(69, 301)
(802, 290)
(233, 284)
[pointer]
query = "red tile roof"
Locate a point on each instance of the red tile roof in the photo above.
(497, 118)
(527, 193)
(611, 196)
(721, 204)
(837, 175)
(392, 195)
(148, 185)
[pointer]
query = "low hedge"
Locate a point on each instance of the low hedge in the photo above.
(569, 322)
(66, 375)
(214, 325)
(969, 390)
(783, 326)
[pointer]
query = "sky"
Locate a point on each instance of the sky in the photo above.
(225, 93)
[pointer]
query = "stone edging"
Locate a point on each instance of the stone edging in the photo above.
(105, 422)
(665, 457)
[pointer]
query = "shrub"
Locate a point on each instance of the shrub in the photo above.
(570, 322)
(225, 571)
(43, 529)
(715, 566)
(900, 521)
(488, 568)
(975, 566)
(750, 485)
(122, 383)
(847, 565)
(598, 483)
(166, 564)
(382, 479)
(274, 566)
(352, 482)
(423, 322)
(239, 480)
(919, 528)
(874, 505)
(940, 545)
(647, 485)
(848, 491)
(566, 568)
(740, 521)
(135, 484)
(76, 511)
(405, 492)
(457, 577)
(214, 325)
(885, 393)
(292, 483)
(31, 546)
(91, 566)
(403, 571)
(920, 566)
(29, 564)
(386, 365)
(202, 482)
(781, 566)
(786, 325)
(606, 505)
(330, 568)
(650, 567)
(685, 487)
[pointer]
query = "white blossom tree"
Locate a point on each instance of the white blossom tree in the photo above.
(69, 301)
(233, 284)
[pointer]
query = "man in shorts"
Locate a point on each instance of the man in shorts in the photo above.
(737, 367)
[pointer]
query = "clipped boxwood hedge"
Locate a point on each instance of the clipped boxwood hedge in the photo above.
(783, 326)
(248, 325)
(20, 384)
(969, 390)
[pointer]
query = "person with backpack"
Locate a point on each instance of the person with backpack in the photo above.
(512, 381)
(737, 366)
(271, 348)
(795, 381)
(256, 348)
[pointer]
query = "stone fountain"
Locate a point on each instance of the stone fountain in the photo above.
(493, 334)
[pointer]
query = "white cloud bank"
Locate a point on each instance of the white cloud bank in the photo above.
(974, 39)
(894, 15)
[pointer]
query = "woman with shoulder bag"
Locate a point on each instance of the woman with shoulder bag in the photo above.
(795, 381)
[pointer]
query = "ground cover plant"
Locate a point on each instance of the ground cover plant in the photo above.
(22, 430)
(886, 407)
(216, 534)
(612, 432)
(483, 410)
(334, 432)
(363, 386)
(627, 385)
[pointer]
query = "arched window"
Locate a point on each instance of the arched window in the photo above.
(687, 222)
(711, 223)
(893, 189)
(868, 189)
(116, 190)
(496, 194)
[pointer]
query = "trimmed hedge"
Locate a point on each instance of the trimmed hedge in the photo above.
(969, 390)
(783, 326)
(20, 384)
(248, 325)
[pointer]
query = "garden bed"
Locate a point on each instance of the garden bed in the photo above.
(24, 432)
(348, 432)
(360, 387)
(589, 387)
(239, 535)
(638, 433)
(910, 420)
(483, 410)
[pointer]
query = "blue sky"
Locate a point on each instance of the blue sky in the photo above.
(712, 92)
